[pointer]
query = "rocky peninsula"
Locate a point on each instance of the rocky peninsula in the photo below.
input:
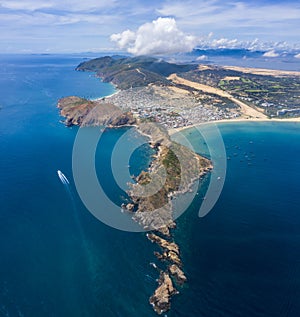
(172, 172)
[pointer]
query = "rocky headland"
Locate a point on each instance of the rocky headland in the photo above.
(83, 112)
(128, 72)
(172, 172)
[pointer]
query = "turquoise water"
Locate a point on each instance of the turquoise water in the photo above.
(242, 259)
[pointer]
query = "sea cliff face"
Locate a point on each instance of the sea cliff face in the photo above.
(83, 112)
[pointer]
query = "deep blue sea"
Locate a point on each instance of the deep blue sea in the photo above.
(56, 259)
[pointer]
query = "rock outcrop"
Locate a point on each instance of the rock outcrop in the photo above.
(172, 172)
(83, 112)
(178, 274)
(160, 300)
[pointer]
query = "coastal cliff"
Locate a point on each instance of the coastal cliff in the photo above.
(80, 111)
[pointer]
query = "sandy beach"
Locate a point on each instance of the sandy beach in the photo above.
(175, 130)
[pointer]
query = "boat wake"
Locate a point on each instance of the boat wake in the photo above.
(86, 247)
(63, 178)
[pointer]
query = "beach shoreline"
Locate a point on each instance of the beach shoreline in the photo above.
(107, 96)
(175, 130)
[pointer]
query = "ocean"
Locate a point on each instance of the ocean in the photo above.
(57, 259)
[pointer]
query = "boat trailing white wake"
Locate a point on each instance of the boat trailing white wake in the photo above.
(62, 177)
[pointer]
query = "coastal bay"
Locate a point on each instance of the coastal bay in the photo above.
(240, 259)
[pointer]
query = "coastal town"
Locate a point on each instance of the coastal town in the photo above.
(170, 106)
(184, 95)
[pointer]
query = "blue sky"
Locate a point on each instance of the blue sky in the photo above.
(87, 25)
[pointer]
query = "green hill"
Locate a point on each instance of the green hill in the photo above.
(133, 71)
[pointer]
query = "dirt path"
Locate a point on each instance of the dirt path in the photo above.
(141, 73)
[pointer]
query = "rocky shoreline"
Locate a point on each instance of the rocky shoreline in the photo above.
(161, 299)
(154, 212)
(173, 170)
(83, 112)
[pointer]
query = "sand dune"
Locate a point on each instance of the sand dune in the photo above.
(246, 110)
(262, 71)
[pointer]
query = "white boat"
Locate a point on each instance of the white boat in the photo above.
(62, 177)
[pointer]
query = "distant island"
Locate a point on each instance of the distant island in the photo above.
(151, 91)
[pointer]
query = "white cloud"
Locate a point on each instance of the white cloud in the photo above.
(225, 43)
(124, 39)
(84, 21)
(297, 55)
(161, 36)
(268, 20)
(238, 13)
(201, 58)
(25, 5)
(30, 21)
(271, 53)
(252, 45)
(188, 8)
(67, 5)
(84, 5)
